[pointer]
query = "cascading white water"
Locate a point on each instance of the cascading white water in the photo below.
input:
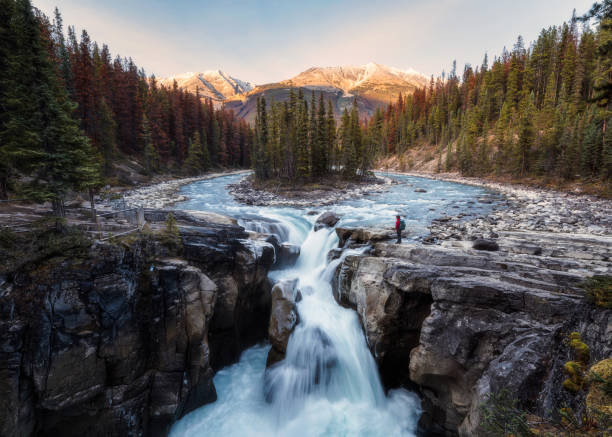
(328, 384)
(326, 355)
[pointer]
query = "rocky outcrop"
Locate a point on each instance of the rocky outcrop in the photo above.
(363, 235)
(326, 220)
(124, 338)
(283, 319)
(287, 255)
(457, 324)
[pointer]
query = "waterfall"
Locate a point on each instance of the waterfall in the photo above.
(328, 383)
(327, 355)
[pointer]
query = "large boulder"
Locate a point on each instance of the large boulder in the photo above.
(283, 319)
(326, 220)
(364, 235)
(287, 255)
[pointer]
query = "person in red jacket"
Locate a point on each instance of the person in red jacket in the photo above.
(398, 229)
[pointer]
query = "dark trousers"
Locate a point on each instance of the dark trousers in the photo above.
(399, 236)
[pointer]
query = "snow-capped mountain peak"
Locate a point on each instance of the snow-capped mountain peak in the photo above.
(351, 77)
(214, 84)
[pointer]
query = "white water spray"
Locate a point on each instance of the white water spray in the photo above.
(328, 383)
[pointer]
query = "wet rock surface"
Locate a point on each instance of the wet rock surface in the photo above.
(283, 319)
(460, 323)
(485, 304)
(124, 339)
(363, 235)
(326, 220)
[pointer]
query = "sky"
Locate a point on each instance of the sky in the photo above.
(264, 41)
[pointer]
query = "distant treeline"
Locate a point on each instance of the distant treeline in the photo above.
(122, 110)
(299, 140)
(70, 112)
(537, 111)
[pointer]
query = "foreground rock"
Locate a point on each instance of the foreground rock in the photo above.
(283, 319)
(363, 235)
(458, 324)
(326, 220)
(124, 338)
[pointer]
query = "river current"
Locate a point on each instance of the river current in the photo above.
(328, 384)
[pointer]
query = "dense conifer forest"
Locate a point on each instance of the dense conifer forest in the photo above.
(70, 113)
(298, 140)
(537, 111)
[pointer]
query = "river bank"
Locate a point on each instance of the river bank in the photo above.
(447, 320)
(163, 194)
(518, 208)
(523, 209)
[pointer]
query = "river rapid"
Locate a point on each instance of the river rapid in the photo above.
(328, 384)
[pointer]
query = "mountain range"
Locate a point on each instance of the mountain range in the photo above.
(371, 86)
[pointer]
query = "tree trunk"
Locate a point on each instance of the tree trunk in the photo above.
(3, 187)
(59, 212)
(92, 203)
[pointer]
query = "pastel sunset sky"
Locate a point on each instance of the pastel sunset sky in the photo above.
(269, 40)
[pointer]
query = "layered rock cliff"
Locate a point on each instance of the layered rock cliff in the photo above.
(123, 338)
(456, 323)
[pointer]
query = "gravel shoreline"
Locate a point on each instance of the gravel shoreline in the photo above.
(525, 209)
(245, 193)
(164, 194)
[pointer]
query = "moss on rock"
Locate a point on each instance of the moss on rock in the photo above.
(599, 397)
(599, 290)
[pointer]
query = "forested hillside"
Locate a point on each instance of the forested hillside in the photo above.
(71, 113)
(540, 111)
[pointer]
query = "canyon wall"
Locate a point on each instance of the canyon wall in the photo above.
(457, 324)
(124, 338)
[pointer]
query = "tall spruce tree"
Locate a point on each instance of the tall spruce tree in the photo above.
(39, 137)
(197, 160)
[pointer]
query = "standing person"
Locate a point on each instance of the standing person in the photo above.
(398, 229)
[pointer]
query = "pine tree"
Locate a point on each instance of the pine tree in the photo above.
(606, 154)
(591, 149)
(39, 137)
(321, 140)
(526, 135)
(108, 140)
(332, 151)
(62, 54)
(195, 162)
(151, 157)
(313, 140)
(361, 161)
(303, 169)
(602, 12)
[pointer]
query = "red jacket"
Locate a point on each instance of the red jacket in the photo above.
(397, 224)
